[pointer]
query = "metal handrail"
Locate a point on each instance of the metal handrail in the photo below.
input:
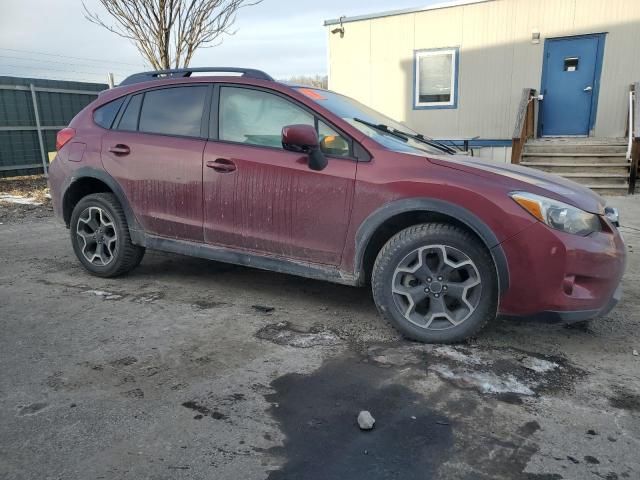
(631, 126)
(633, 149)
(525, 123)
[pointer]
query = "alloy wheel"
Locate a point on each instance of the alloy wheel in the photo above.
(436, 287)
(97, 232)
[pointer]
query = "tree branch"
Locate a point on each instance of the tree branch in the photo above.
(169, 32)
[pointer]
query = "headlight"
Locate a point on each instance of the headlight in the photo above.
(613, 215)
(558, 215)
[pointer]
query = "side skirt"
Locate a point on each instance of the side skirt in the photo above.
(249, 259)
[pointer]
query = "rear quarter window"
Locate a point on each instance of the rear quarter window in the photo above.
(106, 114)
(129, 120)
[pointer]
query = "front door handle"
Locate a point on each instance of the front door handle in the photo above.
(222, 165)
(588, 89)
(120, 149)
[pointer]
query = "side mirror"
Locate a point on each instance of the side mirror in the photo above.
(304, 139)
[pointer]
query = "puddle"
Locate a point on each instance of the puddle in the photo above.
(318, 412)
(208, 304)
(203, 411)
(625, 400)
(442, 434)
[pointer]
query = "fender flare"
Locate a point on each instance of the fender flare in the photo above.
(376, 219)
(135, 229)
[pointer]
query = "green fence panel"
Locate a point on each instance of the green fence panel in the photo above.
(19, 146)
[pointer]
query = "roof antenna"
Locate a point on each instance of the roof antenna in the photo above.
(340, 29)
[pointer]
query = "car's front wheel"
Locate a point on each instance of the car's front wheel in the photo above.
(100, 236)
(435, 283)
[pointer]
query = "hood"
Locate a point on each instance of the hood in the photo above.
(528, 179)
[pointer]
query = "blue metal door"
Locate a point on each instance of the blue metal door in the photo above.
(569, 84)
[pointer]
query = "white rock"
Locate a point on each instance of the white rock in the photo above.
(365, 420)
(635, 353)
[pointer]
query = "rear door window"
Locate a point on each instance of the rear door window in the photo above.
(129, 120)
(174, 111)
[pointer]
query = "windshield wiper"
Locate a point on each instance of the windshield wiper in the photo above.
(383, 128)
(405, 136)
(434, 143)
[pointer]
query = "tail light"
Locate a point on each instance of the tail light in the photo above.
(63, 137)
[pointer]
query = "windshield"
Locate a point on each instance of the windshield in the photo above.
(349, 110)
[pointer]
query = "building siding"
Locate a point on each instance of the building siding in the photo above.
(373, 62)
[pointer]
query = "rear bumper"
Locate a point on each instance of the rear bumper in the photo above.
(563, 278)
(56, 180)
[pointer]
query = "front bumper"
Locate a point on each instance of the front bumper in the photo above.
(562, 277)
(569, 317)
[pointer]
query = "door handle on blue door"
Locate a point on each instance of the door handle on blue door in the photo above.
(222, 165)
(120, 149)
(588, 89)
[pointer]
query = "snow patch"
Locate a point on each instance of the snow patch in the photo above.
(485, 382)
(538, 365)
(306, 340)
(456, 355)
(105, 295)
(283, 334)
(5, 197)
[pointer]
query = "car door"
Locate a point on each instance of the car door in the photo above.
(260, 197)
(155, 154)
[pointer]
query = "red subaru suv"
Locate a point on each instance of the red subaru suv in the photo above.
(243, 169)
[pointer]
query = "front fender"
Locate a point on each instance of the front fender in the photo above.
(376, 219)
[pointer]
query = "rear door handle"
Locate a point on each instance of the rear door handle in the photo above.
(222, 165)
(588, 89)
(120, 149)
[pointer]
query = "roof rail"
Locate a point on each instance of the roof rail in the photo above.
(186, 72)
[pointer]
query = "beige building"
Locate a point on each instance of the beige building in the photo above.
(457, 70)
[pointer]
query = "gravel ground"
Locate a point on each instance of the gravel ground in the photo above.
(189, 369)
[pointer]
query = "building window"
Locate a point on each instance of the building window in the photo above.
(436, 78)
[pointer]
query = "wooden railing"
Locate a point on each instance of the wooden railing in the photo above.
(525, 123)
(634, 135)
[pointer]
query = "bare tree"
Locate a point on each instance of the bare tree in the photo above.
(168, 32)
(320, 81)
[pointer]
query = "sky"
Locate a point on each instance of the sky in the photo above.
(52, 39)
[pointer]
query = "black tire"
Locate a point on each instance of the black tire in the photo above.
(405, 243)
(126, 256)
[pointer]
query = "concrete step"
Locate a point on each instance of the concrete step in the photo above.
(597, 163)
(609, 189)
(568, 167)
(574, 158)
(575, 154)
(574, 148)
(607, 180)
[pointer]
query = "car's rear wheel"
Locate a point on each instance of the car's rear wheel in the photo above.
(100, 236)
(435, 283)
